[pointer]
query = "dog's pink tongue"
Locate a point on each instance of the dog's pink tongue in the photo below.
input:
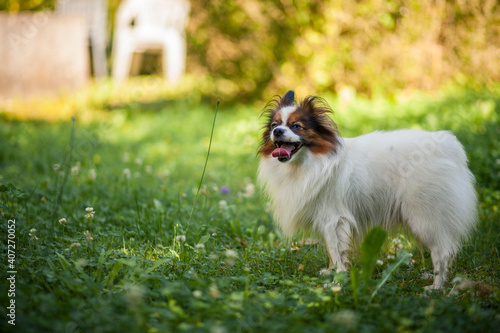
(284, 151)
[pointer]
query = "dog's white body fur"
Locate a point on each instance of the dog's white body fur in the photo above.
(412, 178)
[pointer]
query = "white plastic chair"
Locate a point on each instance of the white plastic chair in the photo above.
(95, 13)
(143, 25)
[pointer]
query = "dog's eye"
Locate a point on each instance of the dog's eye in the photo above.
(273, 125)
(296, 126)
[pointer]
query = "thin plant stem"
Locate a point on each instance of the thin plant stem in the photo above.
(205, 167)
(68, 166)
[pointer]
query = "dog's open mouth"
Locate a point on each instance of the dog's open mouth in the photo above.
(285, 150)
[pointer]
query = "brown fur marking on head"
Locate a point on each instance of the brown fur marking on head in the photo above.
(318, 131)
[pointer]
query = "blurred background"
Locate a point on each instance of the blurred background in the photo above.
(245, 51)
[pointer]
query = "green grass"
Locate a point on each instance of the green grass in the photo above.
(137, 275)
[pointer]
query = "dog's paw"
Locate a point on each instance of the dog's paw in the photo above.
(430, 288)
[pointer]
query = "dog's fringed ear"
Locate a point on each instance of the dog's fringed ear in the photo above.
(288, 99)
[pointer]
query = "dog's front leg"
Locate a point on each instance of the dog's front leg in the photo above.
(337, 236)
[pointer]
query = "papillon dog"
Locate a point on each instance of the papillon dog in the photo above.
(339, 188)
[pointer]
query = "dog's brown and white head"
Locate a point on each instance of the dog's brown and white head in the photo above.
(294, 127)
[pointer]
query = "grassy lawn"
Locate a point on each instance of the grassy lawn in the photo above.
(146, 261)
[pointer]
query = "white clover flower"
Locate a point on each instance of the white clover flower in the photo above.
(127, 173)
(82, 262)
(56, 167)
(62, 221)
(76, 245)
(75, 170)
(33, 235)
(92, 174)
(325, 272)
(462, 283)
(200, 246)
(231, 256)
(249, 190)
(390, 257)
(213, 290)
(148, 169)
(380, 262)
(90, 212)
(346, 318)
(197, 293)
(134, 293)
(396, 245)
(138, 161)
(214, 234)
(336, 289)
(180, 238)
(126, 157)
(223, 204)
(88, 238)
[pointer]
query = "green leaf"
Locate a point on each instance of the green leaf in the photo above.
(63, 261)
(204, 239)
(340, 277)
(131, 262)
(355, 283)
(174, 254)
(5, 185)
(100, 263)
(370, 250)
(402, 257)
(157, 264)
(116, 269)
(158, 205)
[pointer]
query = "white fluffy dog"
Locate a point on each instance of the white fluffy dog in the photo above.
(341, 187)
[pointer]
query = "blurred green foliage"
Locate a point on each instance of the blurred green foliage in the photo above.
(376, 47)
(324, 46)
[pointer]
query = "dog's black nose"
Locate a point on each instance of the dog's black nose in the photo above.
(278, 132)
